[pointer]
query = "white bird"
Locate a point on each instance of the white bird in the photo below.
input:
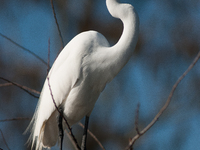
(80, 73)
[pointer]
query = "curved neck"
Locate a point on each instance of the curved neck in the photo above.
(123, 49)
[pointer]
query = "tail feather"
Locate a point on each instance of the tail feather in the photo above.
(47, 135)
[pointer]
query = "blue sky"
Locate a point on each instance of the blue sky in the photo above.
(169, 33)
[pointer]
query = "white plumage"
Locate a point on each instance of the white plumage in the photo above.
(80, 73)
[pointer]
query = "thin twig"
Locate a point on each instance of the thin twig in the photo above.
(26, 89)
(54, 13)
(4, 140)
(29, 51)
(48, 62)
(80, 124)
(166, 104)
(70, 130)
(93, 136)
(26, 118)
(5, 84)
(137, 119)
(130, 148)
(71, 139)
(15, 119)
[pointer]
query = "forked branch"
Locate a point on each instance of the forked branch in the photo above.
(165, 105)
(29, 90)
(93, 136)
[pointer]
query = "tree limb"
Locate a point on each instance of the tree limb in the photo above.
(15, 119)
(4, 140)
(93, 136)
(137, 119)
(26, 89)
(165, 105)
(29, 51)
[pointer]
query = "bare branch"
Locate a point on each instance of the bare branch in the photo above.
(48, 62)
(26, 89)
(26, 118)
(5, 84)
(29, 51)
(130, 148)
(70, 130)
(54, 13)
(166, 104)
(93, 136)
(4, 140)
(15, 119)
(71, 139)
(137, 119)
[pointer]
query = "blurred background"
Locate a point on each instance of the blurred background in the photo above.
(168, 42)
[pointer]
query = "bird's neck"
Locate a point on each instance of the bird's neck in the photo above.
(123, 49)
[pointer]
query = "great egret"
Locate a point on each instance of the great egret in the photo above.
(80, 73)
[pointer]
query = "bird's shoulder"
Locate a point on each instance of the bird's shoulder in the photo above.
(87, 42)
(79, 58)
(81, 45)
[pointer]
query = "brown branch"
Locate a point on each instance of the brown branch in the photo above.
(70, 130)
(165, 105)
(5, 84)
(71, 139)
(25, 49)
(15, 119)
(137, 119)
(93, 136)
(26, 118)
(80, 124)
(4, 140)
(26, 89)
(54, 13)
(48, 62)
